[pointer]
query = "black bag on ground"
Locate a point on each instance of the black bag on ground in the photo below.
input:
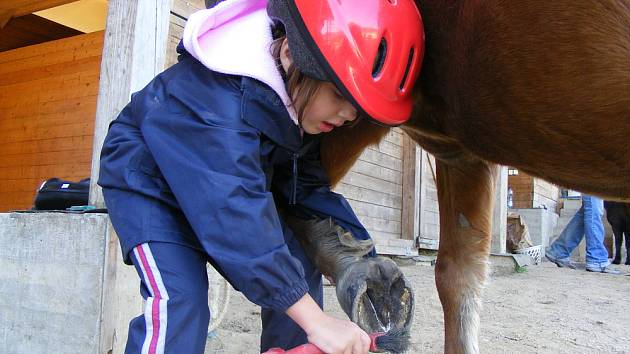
(57, 194)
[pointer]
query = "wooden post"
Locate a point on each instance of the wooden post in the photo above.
(499, 218)
(133, 53)
(410, 189)
(421, 160)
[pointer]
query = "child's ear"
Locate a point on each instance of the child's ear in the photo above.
(285, 55)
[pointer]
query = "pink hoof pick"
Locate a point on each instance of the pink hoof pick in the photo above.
(394, 341)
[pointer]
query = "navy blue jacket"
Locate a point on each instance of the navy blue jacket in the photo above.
(201, 158)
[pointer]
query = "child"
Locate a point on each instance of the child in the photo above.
(194, 165)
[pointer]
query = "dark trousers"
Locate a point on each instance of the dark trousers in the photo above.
(174, 284)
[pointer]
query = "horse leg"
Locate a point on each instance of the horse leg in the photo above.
(627, 233)
(466, 196)
(618, 235)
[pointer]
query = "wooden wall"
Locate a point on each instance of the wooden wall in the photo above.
(545, 195)
(531, 192)
(373, 188)
(47, 107)
(179, 13)
(523, 188)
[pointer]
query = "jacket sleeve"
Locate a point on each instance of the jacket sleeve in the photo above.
(212, 166)
(313, 195)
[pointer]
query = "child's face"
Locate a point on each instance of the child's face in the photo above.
(327, 110)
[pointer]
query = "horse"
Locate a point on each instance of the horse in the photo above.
(542, 86)
(618, 216)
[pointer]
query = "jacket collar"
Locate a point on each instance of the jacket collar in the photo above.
(263, 109)
(234, 37)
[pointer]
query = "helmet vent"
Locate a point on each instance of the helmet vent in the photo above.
(409, 61)
(381, 54)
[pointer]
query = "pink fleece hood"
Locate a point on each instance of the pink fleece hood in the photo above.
(234, 37)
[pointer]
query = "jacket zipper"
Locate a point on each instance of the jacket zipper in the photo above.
(295, 157)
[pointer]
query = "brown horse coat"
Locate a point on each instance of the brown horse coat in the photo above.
(543, 86)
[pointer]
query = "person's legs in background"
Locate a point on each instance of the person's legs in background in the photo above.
(560, 250)
(596, 253)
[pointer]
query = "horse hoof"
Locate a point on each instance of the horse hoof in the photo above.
(375, 295)
(617, 261)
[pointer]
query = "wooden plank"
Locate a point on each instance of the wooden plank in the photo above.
(23, 67)
(74, 104)
(185, 8)
(395, 136)
(43, 145)
(409, 191)
(20, 121)
(390, 149)
(373, 210)
(381, 159)
(396, 247)
(383, 173)
(499, 215)
(381, 225)
(66, 130)
(428, 243)
(46, 170)
(421, 167)
(432, 218)
(49, 158)
(369, 196)
(371, 183)
(384, 237)
(175, 33)
(62, 50)
(51, 71)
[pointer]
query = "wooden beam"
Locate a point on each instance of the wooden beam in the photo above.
(31, 29)
(5, 17)
(499, 218)
(411, 182)
(134, 52)
(17, 8)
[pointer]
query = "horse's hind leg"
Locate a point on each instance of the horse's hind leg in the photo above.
(618, 235)
(627, 233)
(466, 197)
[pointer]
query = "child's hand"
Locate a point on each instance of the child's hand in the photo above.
(336, 336)
(331, 335)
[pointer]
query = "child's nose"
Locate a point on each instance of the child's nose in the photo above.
(348, 113)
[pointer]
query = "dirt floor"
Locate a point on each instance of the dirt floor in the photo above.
(545, 309)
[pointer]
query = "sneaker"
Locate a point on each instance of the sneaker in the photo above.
(607, 270)
(562, 263)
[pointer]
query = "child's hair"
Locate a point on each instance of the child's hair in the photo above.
(300, 87)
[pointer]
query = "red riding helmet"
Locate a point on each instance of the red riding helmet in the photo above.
(371, 50)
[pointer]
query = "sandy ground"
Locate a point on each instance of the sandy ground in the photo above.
(543, 310)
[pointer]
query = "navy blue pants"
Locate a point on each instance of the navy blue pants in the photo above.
(174, 284)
